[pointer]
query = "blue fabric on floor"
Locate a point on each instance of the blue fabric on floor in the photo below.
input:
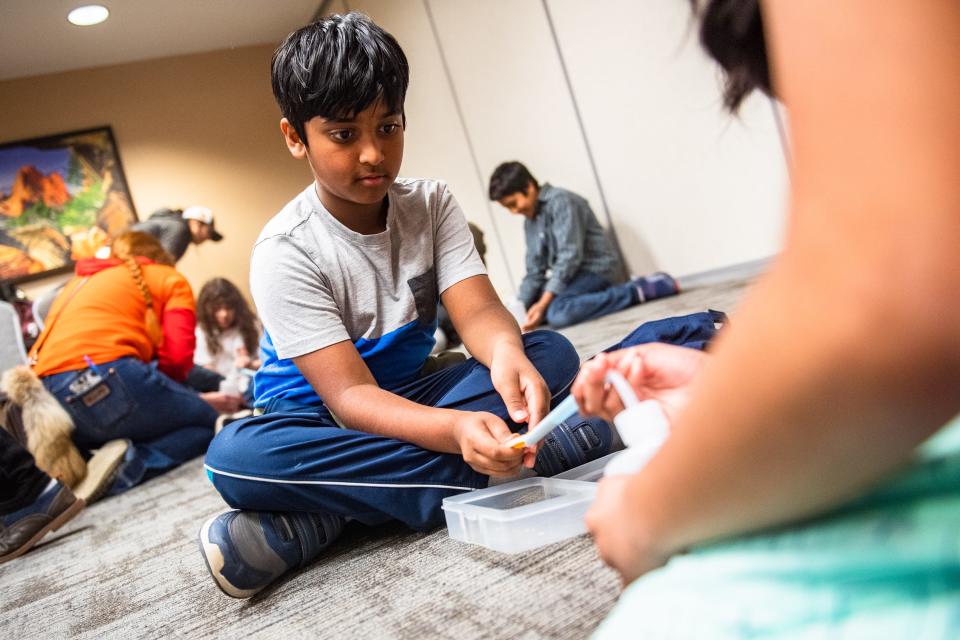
(694, 330)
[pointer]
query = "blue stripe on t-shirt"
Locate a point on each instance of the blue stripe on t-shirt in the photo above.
(394, 359)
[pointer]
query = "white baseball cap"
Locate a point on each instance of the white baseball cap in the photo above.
(204, 215)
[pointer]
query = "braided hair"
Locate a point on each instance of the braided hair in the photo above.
(127, 247)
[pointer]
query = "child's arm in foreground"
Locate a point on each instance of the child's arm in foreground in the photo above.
(340, 377)
(847, 354)
(491, 335)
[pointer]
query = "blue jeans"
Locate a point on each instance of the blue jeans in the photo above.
(296, 458)
(589, 296)
(167, 422)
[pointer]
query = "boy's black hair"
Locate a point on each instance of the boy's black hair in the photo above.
(510, 178)
(732, 33)
(335, 68)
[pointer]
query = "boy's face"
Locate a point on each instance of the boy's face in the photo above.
(522, 203)
(354, 160)
(199, 231)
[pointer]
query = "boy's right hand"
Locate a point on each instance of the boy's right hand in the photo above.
(656, 371)
(480, 436)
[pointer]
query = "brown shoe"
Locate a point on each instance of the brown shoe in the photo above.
(22, 529)
(102, 470)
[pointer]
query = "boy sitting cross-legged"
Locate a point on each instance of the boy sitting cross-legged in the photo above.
(347, 278)
(571, 266)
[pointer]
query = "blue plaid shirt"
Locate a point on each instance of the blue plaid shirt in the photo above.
(564, 237)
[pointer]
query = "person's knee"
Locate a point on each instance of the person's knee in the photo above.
(559, 316)
(553, 356)
(229, 463)
(229, 449)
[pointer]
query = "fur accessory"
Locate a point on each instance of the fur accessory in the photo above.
(47, 426)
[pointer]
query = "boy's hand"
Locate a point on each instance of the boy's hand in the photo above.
(656, 371)
(535, 315)
(525, 394)
(480, 436)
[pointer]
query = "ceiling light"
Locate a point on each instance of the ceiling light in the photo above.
(88, 15)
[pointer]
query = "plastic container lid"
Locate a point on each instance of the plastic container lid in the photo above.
(519, 516)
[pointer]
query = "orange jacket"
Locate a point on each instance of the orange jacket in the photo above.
(100, 314)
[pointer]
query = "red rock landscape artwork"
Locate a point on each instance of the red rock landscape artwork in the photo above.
(61, 198)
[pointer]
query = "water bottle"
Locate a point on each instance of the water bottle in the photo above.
(642, 426)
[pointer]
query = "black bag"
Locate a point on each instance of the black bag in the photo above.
(11, 419)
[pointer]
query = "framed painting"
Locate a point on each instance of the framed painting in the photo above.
(61, 198)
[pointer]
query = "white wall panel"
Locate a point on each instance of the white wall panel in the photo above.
(696, 187)
(689, 187)
(435, 142)
(511, 88)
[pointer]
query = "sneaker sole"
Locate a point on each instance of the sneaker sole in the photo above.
(100, 469)
(213, 558)
(53, 525)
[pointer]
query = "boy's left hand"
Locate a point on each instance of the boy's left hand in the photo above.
(535, 315)
(523, 390)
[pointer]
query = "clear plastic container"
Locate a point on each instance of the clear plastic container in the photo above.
(531, 513)
(590, 472)
(522, 515)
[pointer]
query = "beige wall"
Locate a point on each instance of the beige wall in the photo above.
(198, 129)
(689, 187)
(435, 144)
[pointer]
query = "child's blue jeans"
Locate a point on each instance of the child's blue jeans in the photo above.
(589, 296)
(167, 422)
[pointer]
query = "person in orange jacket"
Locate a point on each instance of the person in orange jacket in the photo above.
(118, 342)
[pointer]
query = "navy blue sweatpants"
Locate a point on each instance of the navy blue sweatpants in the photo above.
(300, 460)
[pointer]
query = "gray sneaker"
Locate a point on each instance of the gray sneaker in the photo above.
(247, 550)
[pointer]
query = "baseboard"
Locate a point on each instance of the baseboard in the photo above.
(741, 271)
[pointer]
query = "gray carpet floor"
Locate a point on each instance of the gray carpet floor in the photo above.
(129, 567)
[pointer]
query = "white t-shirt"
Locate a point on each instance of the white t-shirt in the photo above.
(316, 283)
(231, 342)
